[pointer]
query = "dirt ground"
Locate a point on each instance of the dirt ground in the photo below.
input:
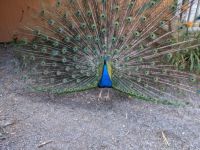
(41, 121)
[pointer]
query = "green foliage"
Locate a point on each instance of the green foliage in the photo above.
(189, 59)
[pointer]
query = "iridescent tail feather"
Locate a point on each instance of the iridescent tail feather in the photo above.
(72, 38)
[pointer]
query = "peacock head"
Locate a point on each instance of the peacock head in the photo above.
(106, 59)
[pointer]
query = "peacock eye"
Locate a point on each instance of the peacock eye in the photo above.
(153, 36)
(67, 39)
(83, 25)
(58, 3)
(78, 13)
(162, 23)
(75, 49)
(155, 51)
(64, 59)
(104, 46)
(32, 58)
(44, 50)
(93, 26)
(116, 8)
(114, 39)
(143, 19)
(60, 30)
(35, 46)
(51, 22)
(43, 63)
(173, 7)
(58, 73)
(146, 85)
(139, 80)
(46, 72)
(116, 24)
(146, 72)
(103, 30)
(129, 19)
(103, 16)
(193, 78)
(64, 50)
(67, 68)
(152, 3)
(42, 13)
(136, 33)
(55, 43)
(54, 64)
(131, 4)
(89, 13)
(85, 49)
(64, 81)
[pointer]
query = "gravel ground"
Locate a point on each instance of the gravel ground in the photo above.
(39, 121)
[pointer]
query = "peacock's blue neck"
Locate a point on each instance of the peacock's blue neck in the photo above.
(105, 81)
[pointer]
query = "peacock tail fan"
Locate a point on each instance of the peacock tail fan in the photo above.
(73, 40)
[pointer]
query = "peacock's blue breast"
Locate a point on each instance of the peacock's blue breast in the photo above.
(105, 81)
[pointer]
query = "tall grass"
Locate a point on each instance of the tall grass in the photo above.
(189, 59)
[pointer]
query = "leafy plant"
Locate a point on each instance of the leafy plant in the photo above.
(189, 59)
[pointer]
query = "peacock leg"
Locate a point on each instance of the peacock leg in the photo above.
(100, 95)
(108, 95)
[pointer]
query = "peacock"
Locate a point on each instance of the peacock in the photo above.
(127, 45)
